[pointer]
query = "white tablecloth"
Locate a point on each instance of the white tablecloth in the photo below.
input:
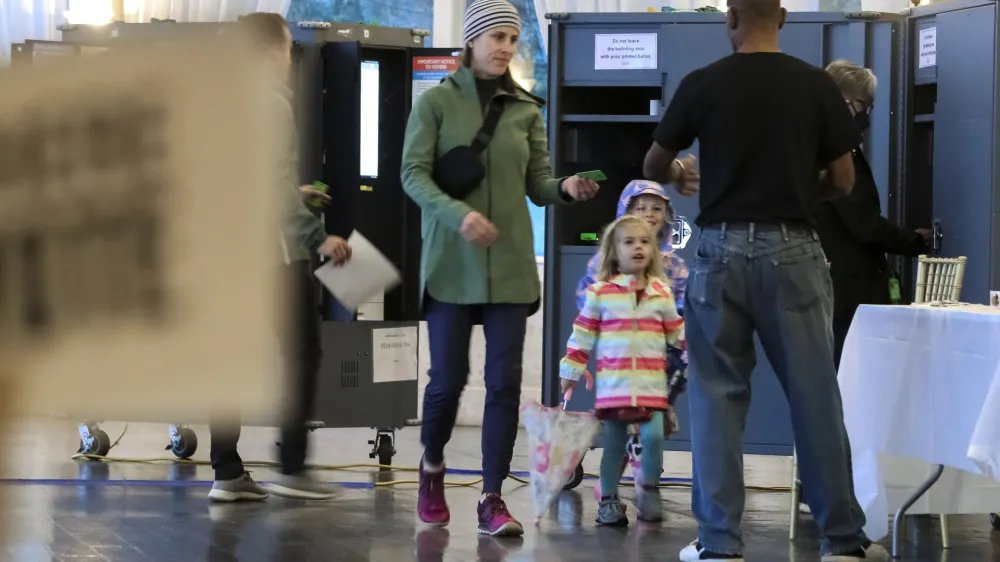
(921, 386)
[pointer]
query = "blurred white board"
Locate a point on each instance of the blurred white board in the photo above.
(138, 234)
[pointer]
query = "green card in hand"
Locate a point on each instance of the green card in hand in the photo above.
(595, 175)
(320, 187)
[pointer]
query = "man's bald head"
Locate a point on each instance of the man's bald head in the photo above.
(759, 12)
(754, 17)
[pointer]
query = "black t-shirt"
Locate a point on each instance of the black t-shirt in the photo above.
(766, 124)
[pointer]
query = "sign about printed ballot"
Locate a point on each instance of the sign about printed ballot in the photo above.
(625, 52)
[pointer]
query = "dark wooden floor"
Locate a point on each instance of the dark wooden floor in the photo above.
(78, 511)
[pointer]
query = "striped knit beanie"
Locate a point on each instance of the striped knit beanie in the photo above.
(484, 15)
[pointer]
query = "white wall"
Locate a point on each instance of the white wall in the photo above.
(471, 410)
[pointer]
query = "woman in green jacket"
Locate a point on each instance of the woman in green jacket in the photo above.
(478, 261)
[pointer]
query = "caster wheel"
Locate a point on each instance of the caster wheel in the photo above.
(100, 446)
(995, 520)
(185, 445)
(577, 478)
(384, 450)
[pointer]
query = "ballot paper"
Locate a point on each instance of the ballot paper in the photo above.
(129, 289)
(365, 275)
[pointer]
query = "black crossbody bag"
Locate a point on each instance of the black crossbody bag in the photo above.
(460, 170)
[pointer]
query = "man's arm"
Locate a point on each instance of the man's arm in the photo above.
(839, 135)
(298, 223)
(837, 180)
(660, 164)
(676, 132)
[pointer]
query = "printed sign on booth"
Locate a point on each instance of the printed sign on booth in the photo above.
(428, 71)
(634, 51)
(927, 51)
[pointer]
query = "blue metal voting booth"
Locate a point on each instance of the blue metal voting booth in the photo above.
(602, 111)
(950, 135)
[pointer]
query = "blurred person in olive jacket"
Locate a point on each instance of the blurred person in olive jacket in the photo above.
(855, 235)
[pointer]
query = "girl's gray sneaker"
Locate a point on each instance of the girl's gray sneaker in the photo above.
(648, 504)
(611, 512)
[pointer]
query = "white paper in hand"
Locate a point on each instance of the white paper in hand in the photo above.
(366, 274)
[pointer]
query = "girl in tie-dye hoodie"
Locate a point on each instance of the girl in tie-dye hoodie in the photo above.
(648, 200)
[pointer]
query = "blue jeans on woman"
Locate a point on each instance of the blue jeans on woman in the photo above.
(449, 331)
(772, 280)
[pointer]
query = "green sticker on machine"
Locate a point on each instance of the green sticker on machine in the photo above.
(894, 295)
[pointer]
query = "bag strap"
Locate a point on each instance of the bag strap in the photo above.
(485, 134)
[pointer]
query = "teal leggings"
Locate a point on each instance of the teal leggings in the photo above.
(615, 438)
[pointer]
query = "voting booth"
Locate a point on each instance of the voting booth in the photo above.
(611, 75)
(950, 136)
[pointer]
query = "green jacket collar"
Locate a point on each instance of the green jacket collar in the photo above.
(465, 81)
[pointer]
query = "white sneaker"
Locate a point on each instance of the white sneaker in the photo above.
(875, 551)
(694, 552)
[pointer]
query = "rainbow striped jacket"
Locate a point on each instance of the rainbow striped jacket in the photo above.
(631, 338)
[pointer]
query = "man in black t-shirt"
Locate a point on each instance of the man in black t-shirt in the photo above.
(767, 124)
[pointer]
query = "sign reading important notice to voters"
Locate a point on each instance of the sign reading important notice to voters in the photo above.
(927, 50)
(625, 52)
(428, 71)
(137, 235)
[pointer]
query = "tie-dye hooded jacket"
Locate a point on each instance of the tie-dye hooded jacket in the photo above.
(673, 266)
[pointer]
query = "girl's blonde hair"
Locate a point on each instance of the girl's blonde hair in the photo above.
(608, 256)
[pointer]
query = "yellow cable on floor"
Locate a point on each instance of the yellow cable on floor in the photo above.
(349, 467)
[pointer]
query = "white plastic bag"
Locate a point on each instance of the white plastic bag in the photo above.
(557, 441)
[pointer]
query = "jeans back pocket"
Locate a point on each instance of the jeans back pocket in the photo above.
(707, 277)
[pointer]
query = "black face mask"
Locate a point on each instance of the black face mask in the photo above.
(862, 121)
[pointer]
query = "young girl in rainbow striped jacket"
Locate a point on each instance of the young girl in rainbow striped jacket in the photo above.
(631, 311)
(649, 201)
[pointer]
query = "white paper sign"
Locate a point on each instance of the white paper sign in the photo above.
(394, 354)
(633, 51)
(927, 49)
(367, 274)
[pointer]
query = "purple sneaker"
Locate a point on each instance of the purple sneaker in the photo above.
(495, 520)
(431, 505)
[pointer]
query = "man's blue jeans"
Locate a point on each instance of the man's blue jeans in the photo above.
(770, 279)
